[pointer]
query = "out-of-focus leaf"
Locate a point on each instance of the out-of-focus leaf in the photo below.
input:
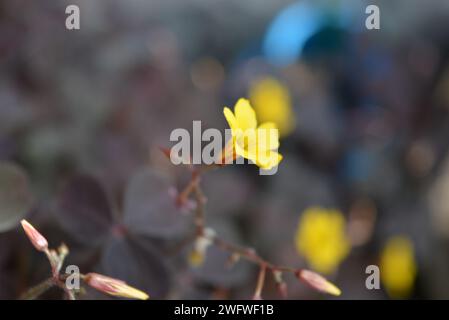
(216, 270)
(136, 261)
(16, 198)
(84, 210)
(234, 186)
(150, 206)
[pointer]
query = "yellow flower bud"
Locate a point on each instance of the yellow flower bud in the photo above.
(318, 282)
(114, 287)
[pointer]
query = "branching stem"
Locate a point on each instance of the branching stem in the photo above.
(249, 254)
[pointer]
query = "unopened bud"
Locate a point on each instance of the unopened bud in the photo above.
(37, 239)
(202, 243)
(63, 250)
(196, 258)
(318, 282)
(114, 287)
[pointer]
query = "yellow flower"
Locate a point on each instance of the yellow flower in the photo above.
(272, 102)
(398, 267)
(255, 143)
(321, 239)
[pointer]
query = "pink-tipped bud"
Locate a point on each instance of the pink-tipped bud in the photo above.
(37, 239)
(318, 282)
(114, 287)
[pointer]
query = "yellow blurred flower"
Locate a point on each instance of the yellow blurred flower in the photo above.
(398, 267)
(272, 102)
(196, 258)
(255, 143)
(321, 239)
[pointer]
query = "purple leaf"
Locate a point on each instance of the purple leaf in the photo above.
(84, 210)
(150, 207)
(136, 261)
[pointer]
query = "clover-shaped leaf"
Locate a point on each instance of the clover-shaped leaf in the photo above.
(216, 271)
(84, 210)
(150, 206)
(136, 261)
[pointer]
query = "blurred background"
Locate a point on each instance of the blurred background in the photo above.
(364, 122)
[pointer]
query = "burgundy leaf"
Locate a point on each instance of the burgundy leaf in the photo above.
(84, 210)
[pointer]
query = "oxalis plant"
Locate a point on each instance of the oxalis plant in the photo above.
(257, 143)
(56, 259)
(84, 197)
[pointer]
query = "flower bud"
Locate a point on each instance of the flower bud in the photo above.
(63, 250)
(318, 282)
(114, 287)
(196, 258)
(37, 239)
(202, 243)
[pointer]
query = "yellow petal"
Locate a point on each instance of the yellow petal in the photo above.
(268, 159)
(268, 136)
(246, 145)
(245, 115)
(230, 118)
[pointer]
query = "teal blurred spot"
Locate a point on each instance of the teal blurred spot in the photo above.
(292, 27)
